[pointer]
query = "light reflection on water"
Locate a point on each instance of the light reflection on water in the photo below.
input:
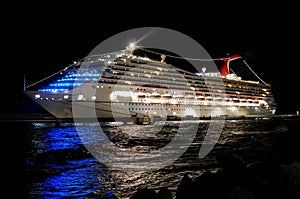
(78, 181)
(62, 167)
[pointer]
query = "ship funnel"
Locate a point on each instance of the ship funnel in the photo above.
(224, 70)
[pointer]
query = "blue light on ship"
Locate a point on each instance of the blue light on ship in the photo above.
(72, 79)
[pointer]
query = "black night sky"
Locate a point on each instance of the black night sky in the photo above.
(41, 39)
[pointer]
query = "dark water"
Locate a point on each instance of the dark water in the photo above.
(43, 160)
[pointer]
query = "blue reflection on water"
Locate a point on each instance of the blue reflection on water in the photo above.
(70, 175)
(62, 138)
(75, 182)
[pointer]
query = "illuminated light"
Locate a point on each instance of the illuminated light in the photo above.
(132, 45)
(233, 108)
(37, 96)
(134, 97)
(111, 96)
(80, 97)
(93, 97)
(173, 101)
(66, 96)
(174, 113)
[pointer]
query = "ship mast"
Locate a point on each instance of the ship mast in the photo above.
(131, 47)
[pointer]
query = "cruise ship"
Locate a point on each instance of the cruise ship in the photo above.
(124, 85)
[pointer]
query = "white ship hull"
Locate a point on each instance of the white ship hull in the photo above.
(124, 107)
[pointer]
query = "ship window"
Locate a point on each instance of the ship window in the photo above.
(80, 97)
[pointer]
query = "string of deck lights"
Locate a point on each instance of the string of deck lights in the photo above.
(74, 63)
(254, 72)
(201, 59)
(55, 73)
(177, 57)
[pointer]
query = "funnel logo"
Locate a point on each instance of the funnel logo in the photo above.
(133, 86)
